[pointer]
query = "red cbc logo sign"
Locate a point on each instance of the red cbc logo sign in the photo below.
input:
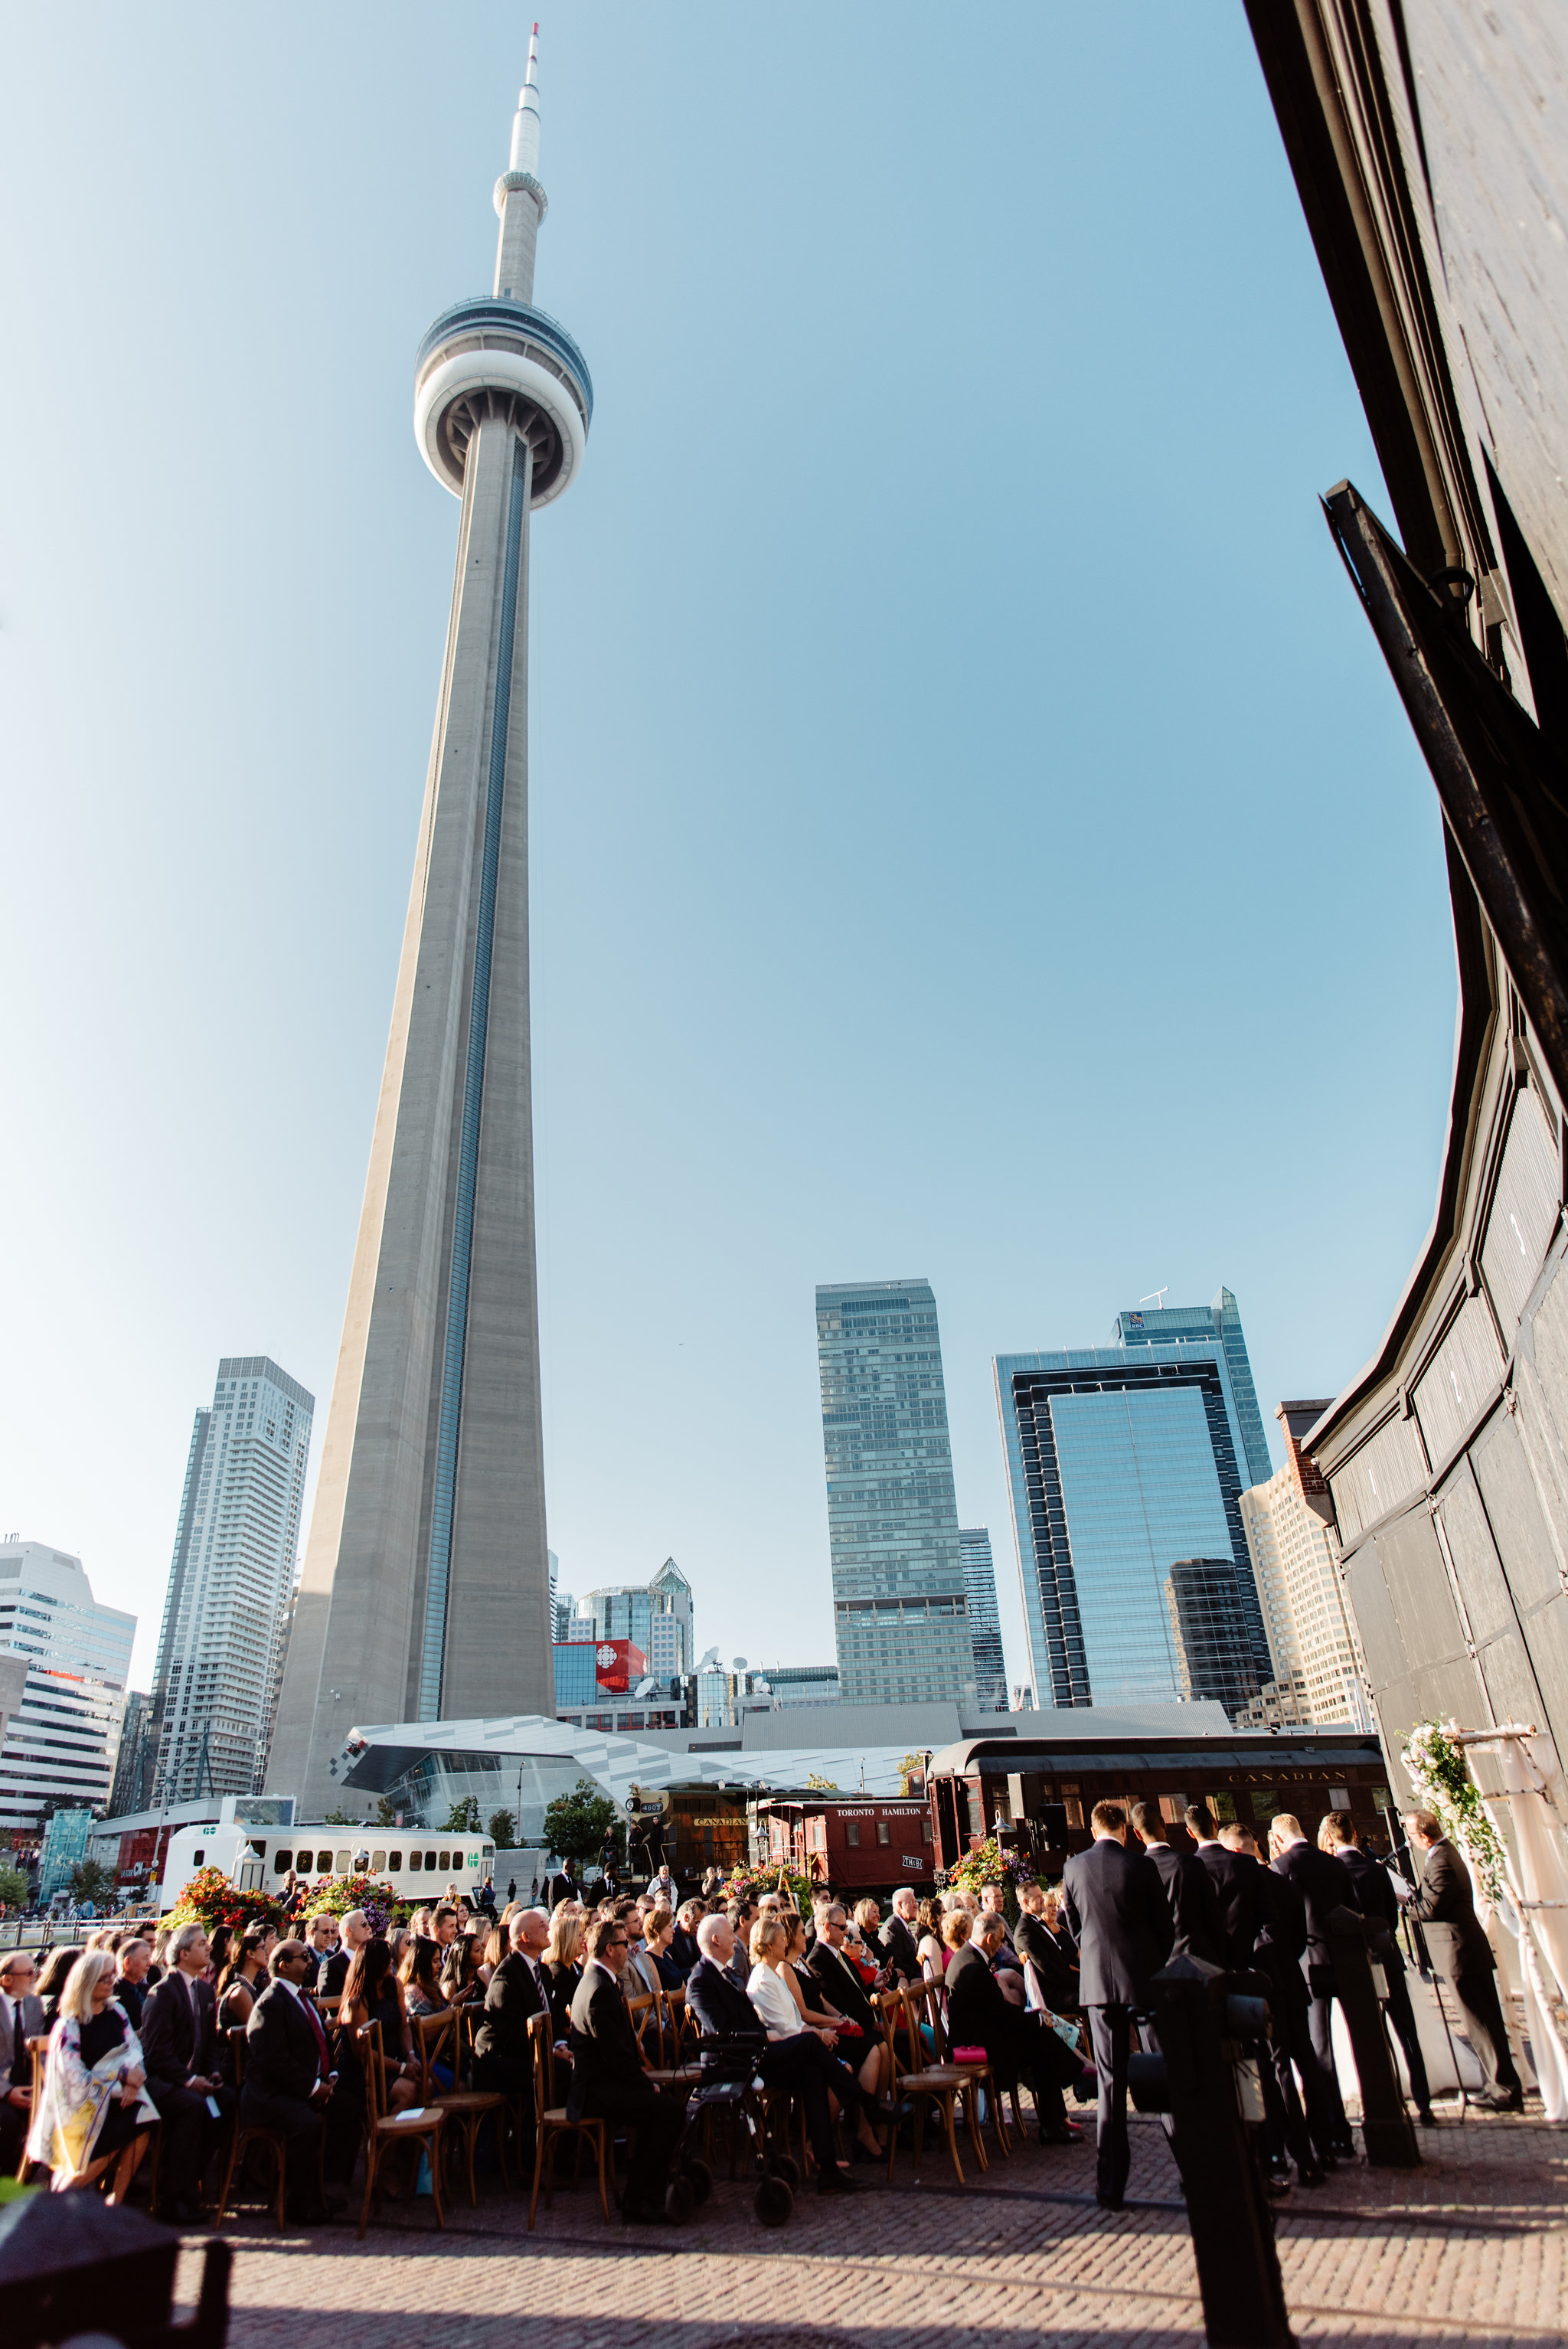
(606, 1655)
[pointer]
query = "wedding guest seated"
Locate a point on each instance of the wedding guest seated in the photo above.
(373, 1993)
(1050, 1954)
(461, 1981)
(928, 1948)
(287, 2085)
(21, 2019)
(132, 1960)
(503, 2052)
(683, 1941)
(187, 2074)
(608, 2081)
(94, 2110)
(51, 1982)
(775, 1993)
(843, 1996)
(321, 1940)
(1018, 2046)
(562, 1965)
(659, 1932)
(244, 1979)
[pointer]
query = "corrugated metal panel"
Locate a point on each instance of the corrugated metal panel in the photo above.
(1523, 1209)
(1464, 1372)
(1386, 1471)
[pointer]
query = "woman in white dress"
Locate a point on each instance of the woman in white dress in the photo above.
(774, 1995)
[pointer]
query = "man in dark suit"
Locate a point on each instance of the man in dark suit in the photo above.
(503, 2052)
(1051, 1954)
(1324, 1886)
(899, 1946)
(1189, 1889)
(1279, 1947)
(352, 1932)
(1016, 2043)
(683, 1946)
(1375, 1896)
(180, 2050)
(733, 2033)
(609, 2083)
(840, 1978)
(1118, 1916)
(1445, 1905)
(21, 2018)
(288, 2077)
(132, 1964)
(741, 1915)
(1235, 1888)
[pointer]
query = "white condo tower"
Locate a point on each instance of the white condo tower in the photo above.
(425, 1588)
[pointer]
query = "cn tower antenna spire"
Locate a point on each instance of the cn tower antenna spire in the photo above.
(518, 197)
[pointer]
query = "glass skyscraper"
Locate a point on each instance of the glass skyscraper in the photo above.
(984, 1619)
(1125, 1461)
(901, 1617)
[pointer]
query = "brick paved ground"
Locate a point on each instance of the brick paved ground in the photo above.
(1469, 2248)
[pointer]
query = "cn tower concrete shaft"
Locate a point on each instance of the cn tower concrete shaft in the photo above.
(425, 1588)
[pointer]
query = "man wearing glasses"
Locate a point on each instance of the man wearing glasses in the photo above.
(609, 2083)
(21, 2019)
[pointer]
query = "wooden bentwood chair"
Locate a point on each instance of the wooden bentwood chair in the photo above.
(383, 2130)
(549, 2122)
(437, 2039)
(937, 2083)
(241, 2140)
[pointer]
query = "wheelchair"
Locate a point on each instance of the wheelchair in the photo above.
(730, 2090)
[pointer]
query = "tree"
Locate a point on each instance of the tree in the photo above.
(503, 1831)
(385, 1812)
(463, 1818)
(13, 1886)
(91, 1880)
(576, 1825)
(339, 1819)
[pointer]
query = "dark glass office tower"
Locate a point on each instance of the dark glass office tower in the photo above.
(1213, 1658)
(1124, 1460)
(900, 1615)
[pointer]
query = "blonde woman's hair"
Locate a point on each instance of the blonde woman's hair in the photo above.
(768, 1930)
(565, 1943)
(868, 1912)
(956, 1927)
(76, 1998)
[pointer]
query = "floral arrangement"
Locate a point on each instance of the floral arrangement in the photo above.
(210, 1900)
(989, 1864)
(1440, 1776)
(337, 1895)
(750, 1883)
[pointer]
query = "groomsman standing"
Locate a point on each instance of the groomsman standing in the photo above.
(1120, 1919)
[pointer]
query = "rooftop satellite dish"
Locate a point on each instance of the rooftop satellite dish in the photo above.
(737, 1664)
(645, 1688)
(710, 1660)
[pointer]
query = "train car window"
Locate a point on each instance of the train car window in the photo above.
(445, 1863)
(395, 1863)
(884, 1831)
(430, 1859)
(852, 1833)
(281, 1862)
(378, 1863)
(197, 1858)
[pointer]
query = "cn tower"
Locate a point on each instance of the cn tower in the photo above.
(425, 1588)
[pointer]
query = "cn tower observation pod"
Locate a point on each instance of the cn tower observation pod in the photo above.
(493, 357)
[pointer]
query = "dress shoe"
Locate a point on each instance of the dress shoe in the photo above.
(1501, 2100)
(1061, 2133)
(1312, 2176)
(1275, 2184)
(836, 2181)
(1427, 2117)
(1110, 2201)
(185, 2212)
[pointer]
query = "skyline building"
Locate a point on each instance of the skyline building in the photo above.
(1124, 1461)
(655, 1615)
(1214, 1662)
(63, 1739)
(1317, 1680)
(226, 1610)
(984, 1618)
(901, 1617)
(425, 1590)
(134, 1759)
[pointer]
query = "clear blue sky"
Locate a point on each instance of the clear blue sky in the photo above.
(974, 834)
